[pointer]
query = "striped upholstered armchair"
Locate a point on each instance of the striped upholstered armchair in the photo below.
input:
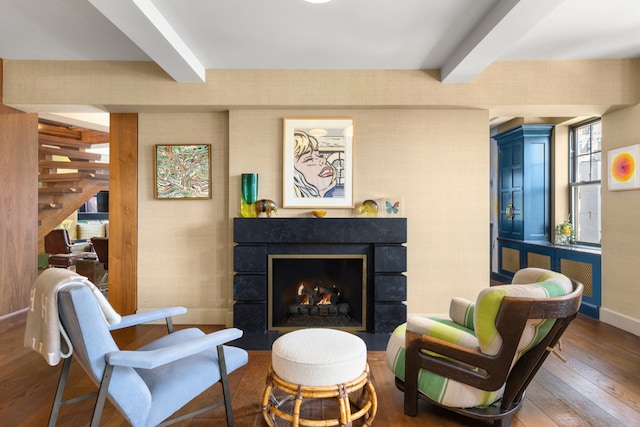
(481, 360)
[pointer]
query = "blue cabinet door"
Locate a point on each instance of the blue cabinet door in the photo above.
(524, 185)
(510, 161)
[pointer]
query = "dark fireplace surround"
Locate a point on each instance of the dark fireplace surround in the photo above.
(381, 240)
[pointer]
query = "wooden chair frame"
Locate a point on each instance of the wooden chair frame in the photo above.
(491, 372)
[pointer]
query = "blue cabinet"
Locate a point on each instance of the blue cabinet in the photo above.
(524, 229)
(524, 183)
(577, 262)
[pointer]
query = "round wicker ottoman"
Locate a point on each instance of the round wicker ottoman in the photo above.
(316, 363)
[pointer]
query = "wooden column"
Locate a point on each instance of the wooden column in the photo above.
(19, 207)
(123, 213)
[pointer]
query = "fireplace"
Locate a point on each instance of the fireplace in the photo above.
(376, 290)
(319, 290)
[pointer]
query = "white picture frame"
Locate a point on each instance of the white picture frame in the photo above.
(318, 163)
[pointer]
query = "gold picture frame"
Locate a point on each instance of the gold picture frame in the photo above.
(182, 171)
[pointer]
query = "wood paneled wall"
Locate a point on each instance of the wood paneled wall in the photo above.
(18, 207)
(123, 213)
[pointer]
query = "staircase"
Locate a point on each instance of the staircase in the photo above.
(68, 175)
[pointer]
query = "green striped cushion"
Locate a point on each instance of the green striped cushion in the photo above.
(483, 334)
(461, 311)
(437, 387)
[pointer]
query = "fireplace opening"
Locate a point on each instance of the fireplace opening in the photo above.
(317, 290)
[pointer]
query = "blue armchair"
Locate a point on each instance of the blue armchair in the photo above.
(150, 384)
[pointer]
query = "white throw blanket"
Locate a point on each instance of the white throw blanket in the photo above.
(43, 329)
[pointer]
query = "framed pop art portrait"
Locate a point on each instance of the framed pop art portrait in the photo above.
(182, 172)
(318, 163)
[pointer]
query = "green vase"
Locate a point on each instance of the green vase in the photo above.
(249, 195)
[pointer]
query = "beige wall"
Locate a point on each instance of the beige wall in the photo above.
(436, 160)
(185, 255)
(182, 244)
(415, 137)
(620, 230)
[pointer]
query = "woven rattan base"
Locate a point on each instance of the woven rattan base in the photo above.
(358, 395)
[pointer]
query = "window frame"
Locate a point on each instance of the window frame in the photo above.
(574, 185)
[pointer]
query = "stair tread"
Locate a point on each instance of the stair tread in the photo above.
(71, 154)
(65, 142)
(48, 206)
(59, 190)
(73, 165)
(67, 177)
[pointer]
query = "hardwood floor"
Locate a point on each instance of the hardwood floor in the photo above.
(598, 386)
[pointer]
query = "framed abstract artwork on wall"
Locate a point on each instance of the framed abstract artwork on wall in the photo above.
(623, 168)
(182, 171)
(318, 163)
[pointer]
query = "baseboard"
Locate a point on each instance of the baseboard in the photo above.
(622, 321)
(14, 319)
(590, 310)
(197, 316)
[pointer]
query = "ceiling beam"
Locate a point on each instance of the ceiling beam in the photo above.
(143, 23)
(500, 29)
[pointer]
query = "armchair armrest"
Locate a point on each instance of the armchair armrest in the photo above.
(451, 360)
(139, 318)
(151, 359)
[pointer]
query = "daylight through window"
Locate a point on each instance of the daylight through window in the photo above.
(586, 162)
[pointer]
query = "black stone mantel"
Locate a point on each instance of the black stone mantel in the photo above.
(381, 239)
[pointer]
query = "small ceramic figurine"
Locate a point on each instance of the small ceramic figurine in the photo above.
(369, 208)
(265, 207)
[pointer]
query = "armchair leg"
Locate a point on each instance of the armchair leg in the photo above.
(169, 324)
(411, 372)
(57, 401)
(224, 380)
(503, 422)
(410, 402)
(102, 396)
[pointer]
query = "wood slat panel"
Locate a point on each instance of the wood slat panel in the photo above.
(123, 212)
(18, 204)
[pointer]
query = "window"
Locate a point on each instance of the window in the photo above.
(586, 162)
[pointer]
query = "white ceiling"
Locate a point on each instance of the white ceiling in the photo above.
(459, 37)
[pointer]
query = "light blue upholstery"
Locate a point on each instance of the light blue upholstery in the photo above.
(147, 316)
(150, 384)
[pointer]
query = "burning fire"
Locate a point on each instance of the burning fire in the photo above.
(317, 295)
(326, 299)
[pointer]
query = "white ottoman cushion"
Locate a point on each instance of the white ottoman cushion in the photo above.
(318, 357)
